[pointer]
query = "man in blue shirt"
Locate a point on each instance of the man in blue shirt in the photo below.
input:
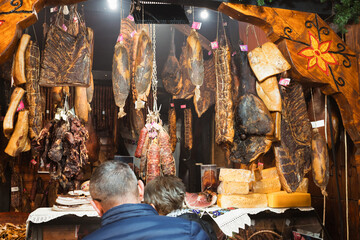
(117, 197)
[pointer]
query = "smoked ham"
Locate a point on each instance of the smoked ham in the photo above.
(187, 90)
(195, 62)
(293, 153)
(142, 68)
(171, 75)
(253, 122)
(33, 95)
(17, 142)
(143, 159)
(121, 77)
(81, 104)
(141, 141)
(153, 161)
(319, 161)
(18, 71)
(8, 123)
(200, 200)
(268, 91)
(172, 128)
(167, 160)
(224, 117)
(188, 128)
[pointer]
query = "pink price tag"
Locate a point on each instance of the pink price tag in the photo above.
(120, 38)
(260, 164)
(64, 27)
(1, 22)
(209, 53)
(21, 106)
(284, 81)
(183, 106)
(33, 162)
(214, 45)
(233, 54)
(225, 24)
(172, 105)
(196, 25)
(133, 34)
(130, 17)
(244, 48)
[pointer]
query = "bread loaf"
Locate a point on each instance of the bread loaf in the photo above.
(252, 200)
(283, 199)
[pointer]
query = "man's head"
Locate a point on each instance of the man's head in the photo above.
(114, 183)
(165, 194)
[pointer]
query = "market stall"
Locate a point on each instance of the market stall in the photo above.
(257, 112)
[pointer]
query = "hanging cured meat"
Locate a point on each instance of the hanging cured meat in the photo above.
(18, 71)
(293, 153)
(153, 161)
(172, 128)
(253, 121)
(208, 89)
(144, 156)
(93, 143)
(319, 161)
(121, 77)
(224, 118)
(187, 90)
(127, 28)
(142, 68)
(268, 91)
(188, 128)
(90, 89)
(137, 120)
(81, 104)
(19, 140)
(171, 76)
(166, 158)
(316, 112)
(141, 141)
(33, 96)
(8, 124)
(195, 62)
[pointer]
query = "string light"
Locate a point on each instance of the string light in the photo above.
(204, 14)
(112, 4)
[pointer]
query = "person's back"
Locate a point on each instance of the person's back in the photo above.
(166, 194)
(116, 197)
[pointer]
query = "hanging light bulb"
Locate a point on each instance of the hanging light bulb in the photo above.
(204, 14)
(112, 4)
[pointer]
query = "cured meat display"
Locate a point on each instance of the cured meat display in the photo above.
(19, 141)
(155, 148)
(33, 95)
(195, 62)
(18, 71)
(293, 153)
(224, 117)
(62, 143)
(187, 90)
(142, 68)
(268, 91)
(200, 200)
(188, 128)
(171, 75)
(253, 122)
(208, 89)
(121, 77)
(81, 104)
(8, 124)
(172, 128)
(319, 161)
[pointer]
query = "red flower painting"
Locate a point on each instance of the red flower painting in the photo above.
(318, 54)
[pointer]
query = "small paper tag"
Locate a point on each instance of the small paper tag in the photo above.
(183, 106)
(33, 162)
(133, 34)
(316, 124)
(225, 24)
(214, 45)
(130, 17)
(209, 53)
(66, 10)
(171, 104)
(1, 22)
(54, 9)
(243, 48)
(21, 106)
(14, 189)
(75, 19)
(120, 38)
(64, 27)
(196, 25)
(284, 81)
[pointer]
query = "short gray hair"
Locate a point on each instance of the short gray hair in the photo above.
(113, 182)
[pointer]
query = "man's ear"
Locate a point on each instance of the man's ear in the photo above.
(141, 190)
(98, 208)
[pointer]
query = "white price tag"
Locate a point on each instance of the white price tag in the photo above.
(316, 124)
(14, 189)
